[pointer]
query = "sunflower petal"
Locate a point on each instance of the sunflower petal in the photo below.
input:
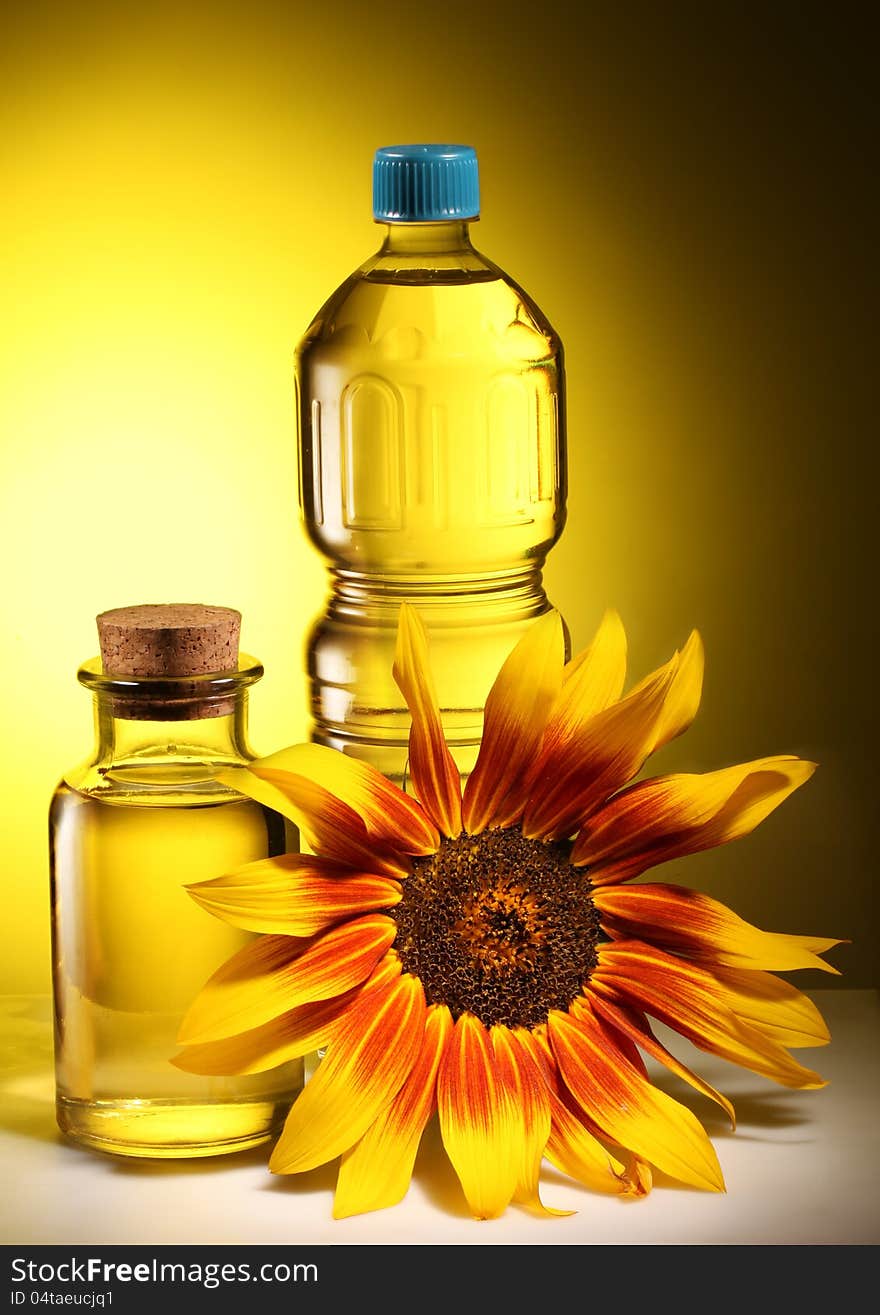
(391, 818)
(245, 991)
(328, 824)
(571, 1146)
(591, 682)
(610, 748)
(376, 1171)
(333, 828)
(366, 1064)
(669, 816)
(298, 1032)
(635, 1026)
(594, 679)
(694, 1003)
(432, 768)
(626, 1106)
(641, 1176)
(516, 713)
(478, 1121)
(293, 894)
(519, 1072)
(774, 1007)
(689, 923)
(682, 702)
(276, 973)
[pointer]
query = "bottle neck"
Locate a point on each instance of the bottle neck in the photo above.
(428, 253)
(198, 719)
(153, 737)
(421, 239)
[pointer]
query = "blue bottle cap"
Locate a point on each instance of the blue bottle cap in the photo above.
(425, 184)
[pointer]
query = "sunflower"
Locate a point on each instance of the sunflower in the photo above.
(483, 954)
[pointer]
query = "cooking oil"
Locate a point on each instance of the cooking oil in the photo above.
(432, 462)
(128, 831)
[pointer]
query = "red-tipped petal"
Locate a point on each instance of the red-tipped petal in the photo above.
(516, 714)
(611, 747)
(432, 768)
(572, 1144)
(479, 1122)
(689, 923)
(376, 1171)
(669, 816)
(367, 1062)
(591, 682)
(392, 819)
(522, 1076)
(635, 1026)
(628, 1109)
(293, 894)
(694, 1003)
(329, 825)
(298, 1032)
(278, 973)
(332, 828)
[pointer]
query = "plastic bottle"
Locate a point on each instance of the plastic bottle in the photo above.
(431, 404)
(143, 816)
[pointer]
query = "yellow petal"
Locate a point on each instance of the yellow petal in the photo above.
(478, 1120)
(432, 768)
(299, 1032)
(366, 1064)
(391, 817)
(376, 1171)
(610, 748)
(277, 973)
(626, 1106)
(296, 1033)
(668, 816)
(330, 826)
(641, 1176)
(516, 713)
(635, 1026)
(333, 828)
(682, 702)
(774, 1007)
(591, 682)
(694, 1003)
(689, 923)
(293, 894)
(519, 1072)
(571, 1146)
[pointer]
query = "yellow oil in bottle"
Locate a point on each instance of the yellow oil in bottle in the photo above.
(149, 813)
(132, 951)
(432, 470)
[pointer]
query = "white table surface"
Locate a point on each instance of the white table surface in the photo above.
(802, 1168)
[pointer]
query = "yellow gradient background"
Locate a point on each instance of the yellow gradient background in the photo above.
(690, 203)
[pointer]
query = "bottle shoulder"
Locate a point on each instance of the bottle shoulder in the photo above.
(448, 300)
(517, 292)
(152, 783)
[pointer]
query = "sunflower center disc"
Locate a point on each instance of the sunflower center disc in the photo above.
(498, 926)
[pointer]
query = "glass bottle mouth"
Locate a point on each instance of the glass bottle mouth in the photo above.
(170, 698)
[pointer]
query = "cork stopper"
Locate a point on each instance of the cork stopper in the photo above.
(170, 640)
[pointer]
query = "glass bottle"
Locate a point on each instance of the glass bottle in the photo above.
(141, 818)
(431, 405)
